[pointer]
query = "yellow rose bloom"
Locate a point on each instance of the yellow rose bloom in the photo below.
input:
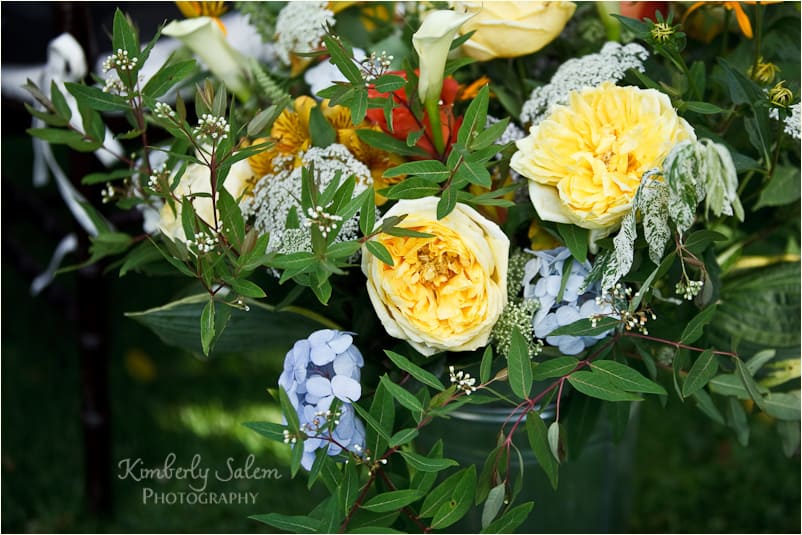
(512, 29)
(585, 161)
(442, 293)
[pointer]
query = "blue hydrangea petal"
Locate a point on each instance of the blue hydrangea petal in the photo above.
(566, 315)
(321, 337)
(340, 343)
(319, 386)
(345, 388)
(546, 325)
(322, 354)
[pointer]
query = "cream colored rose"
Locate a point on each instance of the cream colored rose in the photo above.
(196, 180)
(443, 293)
(585, 161)
(512, 29)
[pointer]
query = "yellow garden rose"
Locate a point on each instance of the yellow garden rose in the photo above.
(512, 29)
(442, 293)
(585, 161)
(196, 180)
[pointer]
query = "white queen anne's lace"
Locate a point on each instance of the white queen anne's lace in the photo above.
(276, 195)
(300, 27)
(608, 65)
(792, 126)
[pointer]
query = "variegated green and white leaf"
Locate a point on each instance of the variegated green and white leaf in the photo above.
(652, 201)
(681, 169)
(720, 181)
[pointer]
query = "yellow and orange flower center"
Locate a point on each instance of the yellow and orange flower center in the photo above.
(437, 284)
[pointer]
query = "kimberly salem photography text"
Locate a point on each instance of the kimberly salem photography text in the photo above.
(197, 477)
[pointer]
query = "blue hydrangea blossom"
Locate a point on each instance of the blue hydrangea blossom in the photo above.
(542, 280)
(317, 370)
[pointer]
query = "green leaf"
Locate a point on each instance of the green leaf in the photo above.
(440, 494)
(415, 371)
(378, 250)
(231, 216)
(693, 330)
(782, 405)
(144, 253)
(262, 327)
(493, 504)
(59, 101)
(381, 140)
(474, 173)
(415, 187)
(270, 430)
(404, 436)
(427, 464)
(749, 383)
(489, 135)
(96, 99)
(705, 404)
(348, 489)
(486, 365)
(539, 442)
(343, 61)
(117, 174)
(705, 108)
(702, 371)
(626, 378)
(406, 233)
(166, 77)
(65, 137)
(576, 239)
(367, 214)
(519, 365)
(207, 326)
(245, 287)
(320, 130)
(294, 524)
(392, 501)
(380, 420)
(736, 419)
(123, 35)
(404, 397)
(782, 189)
(432, 170)
(510, 521)
(584, 327)
(553, 435)
(461, 500)
(556, 367)
(475, 116)
(387, 83)
(599, 386)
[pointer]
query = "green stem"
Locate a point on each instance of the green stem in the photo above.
(433, 111)
(758, 33)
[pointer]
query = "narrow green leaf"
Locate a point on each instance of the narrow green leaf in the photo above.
(705, 404)
(510, 521)
(782, 405)
(381, 140)
(96, 98)
(415, 187)
(404, 397)
(486, 366)
(520, 367)
(415, 371)
(372, 422)
(378, 250)
(166, 77)
(703, 369)
(553, 435)
(404, 436)
(426, 464)
(123, 35)
(585, 327)
(392, 501)
(320, 130)
(475, 116)
(749, 383)
(431, 170)
(556, 367)
(207, 326)
(576, 239)
(459, 504)
(539, 442)
(440, 494)
(270, 430)
(493, 504)
(387, 83)
(599, 386)
(343, 61)
(626, 378)
(693, 331)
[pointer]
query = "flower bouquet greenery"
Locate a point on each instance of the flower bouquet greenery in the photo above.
(546, 208)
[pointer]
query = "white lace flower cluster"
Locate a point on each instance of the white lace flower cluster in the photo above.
(275, 196)
(301, 27)
(608, 65)
(792, 126)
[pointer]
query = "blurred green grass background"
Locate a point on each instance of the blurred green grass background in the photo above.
(689, 475)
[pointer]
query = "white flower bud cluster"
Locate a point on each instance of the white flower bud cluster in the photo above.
(114, 85)
(323, 220)
(300, 27)
(108, 193)
(203, 242)
(636, 320)
(463, 380)
(211, 127)
(156, 176)
(289, 438)
(120, 61)
(689, 290)
(374, 65)
(163, 111)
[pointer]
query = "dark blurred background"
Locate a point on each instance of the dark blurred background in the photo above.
(77, 374)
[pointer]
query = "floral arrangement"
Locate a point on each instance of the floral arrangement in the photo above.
(546, 208)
